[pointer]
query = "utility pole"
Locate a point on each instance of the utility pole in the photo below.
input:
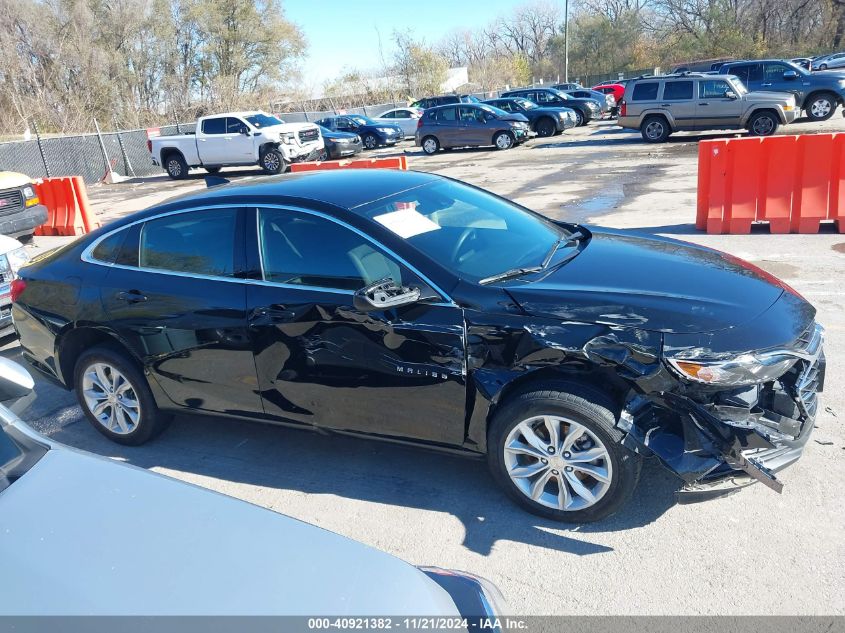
(566, 41)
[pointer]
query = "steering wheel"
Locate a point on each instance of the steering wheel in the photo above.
(459, 244)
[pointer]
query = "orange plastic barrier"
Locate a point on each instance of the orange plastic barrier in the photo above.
(397, 162)
(791, 182)
(68, 212)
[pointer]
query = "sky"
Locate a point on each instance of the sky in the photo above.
(345, 34)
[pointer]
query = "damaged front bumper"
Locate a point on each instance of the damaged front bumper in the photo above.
(721, 442)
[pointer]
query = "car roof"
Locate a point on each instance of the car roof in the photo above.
(344, 188)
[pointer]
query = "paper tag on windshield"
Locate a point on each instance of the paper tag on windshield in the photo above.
(406, 222)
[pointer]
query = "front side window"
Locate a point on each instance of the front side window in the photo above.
(774, 72)
(389, 115)
(196, 242)
(470, 232)
(214, 126)
(646, 91)
(469, 114)
(507, 106)
(713, 89)
(309, 250)
(234, 126)
(677, 90)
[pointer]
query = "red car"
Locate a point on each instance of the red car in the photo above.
(617, 90)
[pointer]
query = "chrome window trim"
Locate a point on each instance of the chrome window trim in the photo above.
(88, 258)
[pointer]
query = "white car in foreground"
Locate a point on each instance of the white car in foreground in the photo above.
(84, 535)
(237, 139)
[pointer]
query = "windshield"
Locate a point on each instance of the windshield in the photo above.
(739, 87)
(363, 120)
(471, 232)
(526, 104)
(262, 120)
(493, 110)
(560, 94)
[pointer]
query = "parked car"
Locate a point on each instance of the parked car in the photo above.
(544, 121)
(615, 89)
(339, 144)
(569, 86)
(607, 102)
(408, 306)
(659, 106)
(236, 138)
(405, 118)
(201, 553)
(13, 255)
(817, 94)
(20, 209)
(585, 109)
(833, 60)
(433, 102)
(470, 125)
(804, 62)
(373, 133)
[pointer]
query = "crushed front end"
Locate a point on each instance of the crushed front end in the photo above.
(720, 437)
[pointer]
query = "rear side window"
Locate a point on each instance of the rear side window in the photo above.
(447, 115)
(645, 91)
(214, 126)
(677, 90)
(747, 72)
(197, 242)
(107, 250)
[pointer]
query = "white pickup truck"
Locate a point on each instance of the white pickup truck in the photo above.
(237, 138)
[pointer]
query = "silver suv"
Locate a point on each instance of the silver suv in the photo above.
(659, 106)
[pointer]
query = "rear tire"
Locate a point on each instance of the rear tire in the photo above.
(176, 166)
(589, 471)
(430, 145)
(763, 124)
(546, 127)
(115, 397)
(579, 118)
(655, 129)
(821, 106)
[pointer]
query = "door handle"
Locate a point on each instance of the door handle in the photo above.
(766, 85)
(131, 296)
(665, 105)
(703, 104)
(272, 314)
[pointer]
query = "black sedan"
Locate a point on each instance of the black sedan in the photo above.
(373, 133)
(408, 306)
(339, 144)
(585, 109)
(544, 121)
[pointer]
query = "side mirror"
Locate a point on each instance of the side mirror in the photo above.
(244, 130)
(730, 94)
(15, 381)
(384, 295)
(790, 74)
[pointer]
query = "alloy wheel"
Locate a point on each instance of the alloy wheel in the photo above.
(763, 126)
(821, 107)
(654, 130)
(111, 398)
(558, 463)
(271, 161)
(174, 168)
(370, 141)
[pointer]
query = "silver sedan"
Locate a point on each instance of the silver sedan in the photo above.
(405, 118)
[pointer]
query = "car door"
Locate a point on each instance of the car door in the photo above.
(779, 77)
(448, 127)
(174, 296)
(679, 100)
(473, 128)
(239, 138)
(320, 361)
(211, 143)
(749, 74)
(714, 109)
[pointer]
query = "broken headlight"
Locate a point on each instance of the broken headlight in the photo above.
(748, 369)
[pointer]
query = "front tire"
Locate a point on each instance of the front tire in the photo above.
(370, 141)
(556, 451)
(272, 161)
(763, 124)
(503, 140)
(115, 397)
(821, 106)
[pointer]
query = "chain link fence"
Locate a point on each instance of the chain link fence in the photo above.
(125, 152)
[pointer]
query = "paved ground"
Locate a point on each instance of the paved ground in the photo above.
(753, 553)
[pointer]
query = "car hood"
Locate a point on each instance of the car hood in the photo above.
(655, 284)
(768, 97)
(550, 110)
(84, 535)
(513, 116)
(340, 136)
(9, 179)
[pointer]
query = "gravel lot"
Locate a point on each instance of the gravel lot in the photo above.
(753, 553)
